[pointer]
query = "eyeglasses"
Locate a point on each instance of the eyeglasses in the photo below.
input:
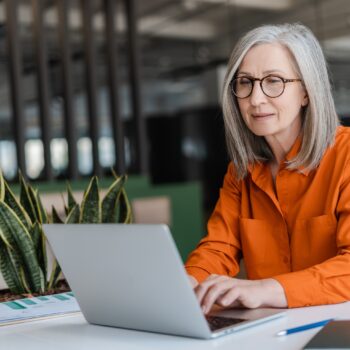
(271, 85)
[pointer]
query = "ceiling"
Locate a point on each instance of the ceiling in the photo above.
(197, 32)
(180, 39)
(177, 33)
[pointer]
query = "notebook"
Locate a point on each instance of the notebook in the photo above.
(334, 335)
(132, 276)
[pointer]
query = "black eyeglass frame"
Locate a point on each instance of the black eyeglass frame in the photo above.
(253, 80)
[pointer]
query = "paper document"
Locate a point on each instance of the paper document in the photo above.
(47, 306)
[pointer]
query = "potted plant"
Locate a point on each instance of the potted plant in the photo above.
(23, 255)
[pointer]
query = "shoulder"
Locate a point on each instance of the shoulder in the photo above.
(342, 135)
(342, 153)
(231, 174)
(338, 154)
(230, 180)
(342, 140)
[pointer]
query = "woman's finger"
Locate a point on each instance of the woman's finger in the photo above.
(202, 288)
(213, 293)
(229, 299)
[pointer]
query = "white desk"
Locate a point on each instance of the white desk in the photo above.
(74, 333)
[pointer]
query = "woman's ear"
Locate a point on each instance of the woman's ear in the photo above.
(305, 100)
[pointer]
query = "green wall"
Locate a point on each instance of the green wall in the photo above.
(186, 204)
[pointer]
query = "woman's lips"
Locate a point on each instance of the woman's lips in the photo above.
(262, 115)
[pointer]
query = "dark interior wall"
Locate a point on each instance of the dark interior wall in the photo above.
(189, 146)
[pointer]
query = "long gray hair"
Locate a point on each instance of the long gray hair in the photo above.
(319, 116)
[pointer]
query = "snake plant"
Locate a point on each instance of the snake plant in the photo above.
(23, 258)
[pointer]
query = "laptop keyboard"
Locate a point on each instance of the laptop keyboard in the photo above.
(217, 322)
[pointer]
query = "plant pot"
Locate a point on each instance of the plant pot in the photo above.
(6, 295)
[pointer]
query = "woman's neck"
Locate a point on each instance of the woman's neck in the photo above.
(282, 142)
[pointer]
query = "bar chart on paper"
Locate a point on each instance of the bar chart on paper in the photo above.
(31, 309)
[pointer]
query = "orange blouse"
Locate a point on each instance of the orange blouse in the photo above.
(297, 233)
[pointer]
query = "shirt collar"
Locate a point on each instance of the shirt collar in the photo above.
(294, 149)
(293, 152)
(258, 168)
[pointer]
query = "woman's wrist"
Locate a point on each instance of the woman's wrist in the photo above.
(194, 282)
(274, 295)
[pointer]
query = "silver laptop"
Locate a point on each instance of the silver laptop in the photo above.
(132, 276)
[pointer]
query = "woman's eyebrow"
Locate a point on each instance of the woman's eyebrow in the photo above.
(264, 72)
(273, 71)
(245, 73)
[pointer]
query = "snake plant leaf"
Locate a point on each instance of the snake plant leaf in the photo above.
(14, 263)
(125, 214)
(25, 199)
(11, 225)
(41, 215)
(111, 200)
(42, 255)
(55, 274)
(9, 271)
(39, 242)
(33, 199)
(71, 200)
(9, 240)
(66, 210)
(114, 173)
(35, 234)
(2, 187)
(91, 205)
(23, 276)
(12, 257)
(4, 239)
(55, 217)
(42, 211)
(74, 215)
(11, 200)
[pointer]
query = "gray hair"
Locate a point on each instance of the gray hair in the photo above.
(320, 120)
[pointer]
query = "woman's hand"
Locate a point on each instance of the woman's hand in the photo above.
(232, 292)
(193, 281)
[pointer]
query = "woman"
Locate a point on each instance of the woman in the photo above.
(285, 202)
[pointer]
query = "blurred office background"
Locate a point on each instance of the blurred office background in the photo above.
(87, 85)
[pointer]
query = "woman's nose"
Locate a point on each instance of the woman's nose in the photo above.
(257, 96)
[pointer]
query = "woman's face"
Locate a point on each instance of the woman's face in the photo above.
(263, 115)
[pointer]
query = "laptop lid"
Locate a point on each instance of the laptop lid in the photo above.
(132, 276)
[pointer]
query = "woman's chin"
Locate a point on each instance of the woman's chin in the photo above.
(263, 131)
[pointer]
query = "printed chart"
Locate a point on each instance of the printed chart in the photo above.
(31, 309)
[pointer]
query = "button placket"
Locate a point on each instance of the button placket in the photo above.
(282, 191)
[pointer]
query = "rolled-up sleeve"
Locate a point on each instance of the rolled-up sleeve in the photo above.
(219, 251)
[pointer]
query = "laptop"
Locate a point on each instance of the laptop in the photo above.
(132, 276)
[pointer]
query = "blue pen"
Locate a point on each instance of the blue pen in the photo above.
(304, 327)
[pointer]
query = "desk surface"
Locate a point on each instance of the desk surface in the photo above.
(73, 332)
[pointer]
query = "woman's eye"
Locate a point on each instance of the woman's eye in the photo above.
(273, 80)
(244, 81)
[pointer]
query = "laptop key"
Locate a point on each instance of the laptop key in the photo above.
(217, 322)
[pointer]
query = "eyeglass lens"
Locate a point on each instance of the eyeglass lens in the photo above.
(272, 86)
